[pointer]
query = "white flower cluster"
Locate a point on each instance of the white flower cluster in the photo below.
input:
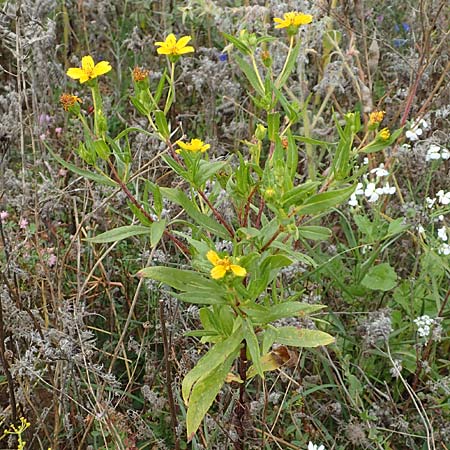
(371, 191)
(312, 446)
(416, 131)
(424, 324)
(442, 197)
(435, 153)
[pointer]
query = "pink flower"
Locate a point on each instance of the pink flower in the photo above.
(52, 260)
(42, 137)
(62, 172)
(3, 216)
(58, 130)
(23, 224)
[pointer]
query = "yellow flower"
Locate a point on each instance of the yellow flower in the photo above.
(223, 265)
(384, 134)
(172, 47)
(376, 117)
(293, 19)
(196, 145)
(69, 100)
(88, 70)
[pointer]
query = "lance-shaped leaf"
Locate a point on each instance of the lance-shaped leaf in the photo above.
(300, 337)
(117, 234)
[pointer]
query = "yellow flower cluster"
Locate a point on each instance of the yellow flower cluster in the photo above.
(195, 146)
(69, 100)
(223, 265)
(376, 117)
(384, 134)
(140, 74)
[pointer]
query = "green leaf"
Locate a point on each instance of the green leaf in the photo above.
(322, 202)
(238, 44)
(161, 124)
(182, 280)
(253, 346)
(377, 145)
(157, 231)
(296, 337)
(314, 233)
(250, 73)
(117, 234)
(84, 173)
(264, 315)
(179, 197)
(380, 278)
(207, 169)
(200, 297)
(273, 125)
(296, 195)
(216, 356)
(204, 392)
(270, 335)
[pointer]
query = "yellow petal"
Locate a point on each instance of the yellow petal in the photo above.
(75, 73)
(218, 272)
(84, 78)
(278, 20)
(171, 39)
(164, 51)
(212, 256)
(87, 63)
(101, 68)
(238, 270)
(183, 41)
(184, 50)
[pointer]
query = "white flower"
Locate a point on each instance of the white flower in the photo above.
(370, 193)
(424, 124)
(413, 135)
(444, 197)
(424, 324)
(366, 160)
(430, 202)
(420, 229)
(441, 217)
(312, 446)
(444, 249)
(445, 154)
(389, 190)
(353, 201)
(359, 189)
(442, 234)
(434, 152)
(380, 171)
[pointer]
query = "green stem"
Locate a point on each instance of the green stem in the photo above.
(171, 94)
(255, 67)
(291, 46)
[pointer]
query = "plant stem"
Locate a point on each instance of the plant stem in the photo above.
(241, 407)
(172, 406)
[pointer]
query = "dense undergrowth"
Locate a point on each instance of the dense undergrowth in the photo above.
(355, 214)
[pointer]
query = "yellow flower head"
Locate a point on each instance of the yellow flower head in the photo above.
(172, 47)
(223, 265)
(195, 146)
(293, 19)
(384, 134)
(376, 117)
(69, 100)
(88, 70)
(140, 74)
